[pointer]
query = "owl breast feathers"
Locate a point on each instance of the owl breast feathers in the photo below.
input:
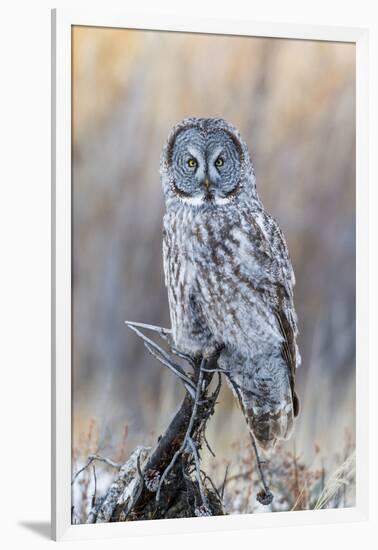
(228, 273)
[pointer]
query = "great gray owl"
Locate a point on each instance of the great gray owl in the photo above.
(228, 273)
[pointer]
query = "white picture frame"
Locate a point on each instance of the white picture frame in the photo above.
(62, 21)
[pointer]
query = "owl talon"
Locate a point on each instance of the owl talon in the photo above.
(213, 351)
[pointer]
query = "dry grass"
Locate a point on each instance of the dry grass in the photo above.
(297, 485)
(323, 482)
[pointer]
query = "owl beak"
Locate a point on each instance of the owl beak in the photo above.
(208, 196)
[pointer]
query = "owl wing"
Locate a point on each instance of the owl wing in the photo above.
(271, 415)
(248, 301)
(246, 280)
(284, 310)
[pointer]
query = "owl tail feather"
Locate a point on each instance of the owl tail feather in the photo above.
(269, 418)
(270, 423)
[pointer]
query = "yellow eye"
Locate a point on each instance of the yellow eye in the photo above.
(192, 163)
(219, 161)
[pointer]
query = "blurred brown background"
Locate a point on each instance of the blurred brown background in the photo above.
(294, 103)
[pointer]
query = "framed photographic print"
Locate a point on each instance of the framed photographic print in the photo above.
(209, 244)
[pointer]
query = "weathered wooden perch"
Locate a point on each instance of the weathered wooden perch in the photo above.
(167, 481)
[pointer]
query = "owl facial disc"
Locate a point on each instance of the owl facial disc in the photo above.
(205, 166)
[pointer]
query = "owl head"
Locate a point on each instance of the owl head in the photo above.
(205, 163)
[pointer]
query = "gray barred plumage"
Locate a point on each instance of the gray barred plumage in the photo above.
(228, 273)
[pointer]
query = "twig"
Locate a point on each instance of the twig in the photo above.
(89, 462)
(265, 496)
(183, 355)
(162, 356)
(224, 482)
(218, 369)
(93, 513)
(163, 332)
(208, 444)
(259, 463)
(188, 431)
(189, 386)
(237, 476)
(193, 448)
(107, 461)
(212, 400)
(95, 486)
(212, 484)
(91, 459)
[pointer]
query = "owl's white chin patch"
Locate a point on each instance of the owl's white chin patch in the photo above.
(221, 200)
(194, 201)
(200, 200)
